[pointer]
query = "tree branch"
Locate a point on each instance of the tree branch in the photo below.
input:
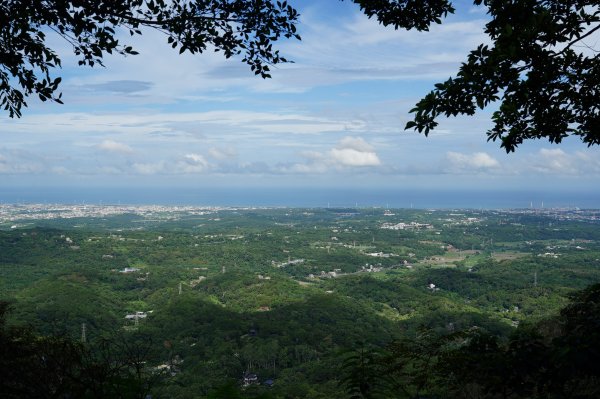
(580, 38)
(149, 22)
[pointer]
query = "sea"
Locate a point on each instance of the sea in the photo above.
(309, 197)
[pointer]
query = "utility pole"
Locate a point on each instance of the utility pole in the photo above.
(179, 288)
(535, 278)
(83, 336)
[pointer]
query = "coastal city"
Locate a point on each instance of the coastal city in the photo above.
(29, 212)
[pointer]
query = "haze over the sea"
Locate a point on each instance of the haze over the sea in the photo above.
(417, 198)
(333, 118)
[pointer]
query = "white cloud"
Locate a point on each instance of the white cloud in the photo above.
(349, 48)
(352, 157)
(144, 123)
(223, 153)
(5, 166)
(192, 163)
(355, 143)
(303, 168)
(354, 151)
(349, 152)
(20, 162)
(312, 155)
(478, 161)
(367, 32)
(187, 164)
(333, 50)
(149, 168)
(60, 170)
(195, 159)
(114, 146)
(168, 121)
(110, 170)
(556, 161)
(589, 164)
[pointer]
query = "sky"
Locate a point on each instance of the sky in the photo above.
(333, 118)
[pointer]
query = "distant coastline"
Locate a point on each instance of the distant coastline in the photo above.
(310, 197)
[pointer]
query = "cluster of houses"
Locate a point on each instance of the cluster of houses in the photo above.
(371, 269)
(380, 254)
(406, 226)
(290, 262)
(129, 270)
(335, 273)
(249, 379)
(136, 316)
(173, 367)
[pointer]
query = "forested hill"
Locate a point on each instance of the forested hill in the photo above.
(298, 303)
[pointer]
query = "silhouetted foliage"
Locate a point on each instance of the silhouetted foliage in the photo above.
(34, 366)
(537, 66)
(363, 371)
(577, 348)
(247, 27)
(535, 361)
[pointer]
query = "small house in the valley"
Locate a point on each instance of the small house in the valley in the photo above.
(250, 379)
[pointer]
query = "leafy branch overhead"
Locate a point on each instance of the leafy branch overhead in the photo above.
(93, 28)
(539, 68)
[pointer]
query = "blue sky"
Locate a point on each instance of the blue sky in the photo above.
(333, 118)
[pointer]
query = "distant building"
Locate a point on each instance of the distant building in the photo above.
(249, 379)
(432, 287)
(136, 315)
(129, 270)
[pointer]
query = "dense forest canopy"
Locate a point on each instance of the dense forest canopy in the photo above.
(298, 303)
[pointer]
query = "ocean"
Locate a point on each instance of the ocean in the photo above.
(304, 197)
